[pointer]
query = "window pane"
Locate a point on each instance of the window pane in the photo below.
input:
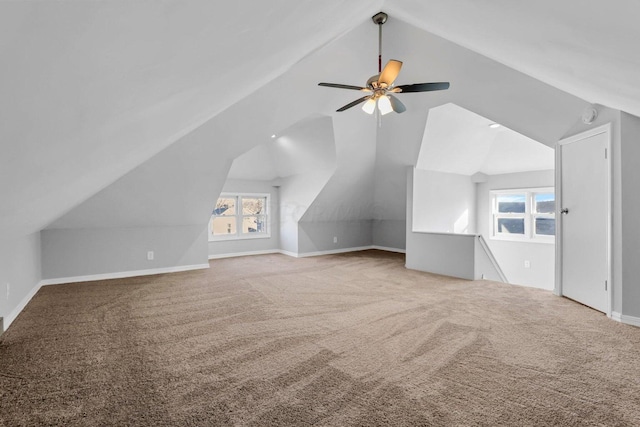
(225, 206)
(223, 225)
(511, 203)
(253, 205)
(511, 225)
(546, 226)
(545, 203)
(254, 224)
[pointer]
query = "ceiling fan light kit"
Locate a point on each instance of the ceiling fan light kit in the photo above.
(369, 106)
(380, 87)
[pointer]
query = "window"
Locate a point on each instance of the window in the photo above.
(240, 216)
(526, 215)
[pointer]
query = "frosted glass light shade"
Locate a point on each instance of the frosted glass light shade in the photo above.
(384, 105)
(369, 106)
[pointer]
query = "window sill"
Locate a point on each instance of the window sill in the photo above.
(234, 237)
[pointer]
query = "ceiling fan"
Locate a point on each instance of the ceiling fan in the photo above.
(380, 87)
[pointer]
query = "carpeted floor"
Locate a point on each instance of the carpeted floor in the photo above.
(353, 339)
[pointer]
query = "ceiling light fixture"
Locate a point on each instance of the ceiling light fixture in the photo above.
(369, 106)
(273, 136)
(494, 125)
(380, 89)
(384, 105)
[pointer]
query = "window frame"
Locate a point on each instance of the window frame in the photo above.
(239, 235)
(528, 215)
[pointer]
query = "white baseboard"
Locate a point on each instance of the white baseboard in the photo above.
(388, 249)
(623, 318)
(309, 254)
(122, 274)
(288, 253)
(249, 253)
(345, 250)
(16, 311)
(334, 251)
(46, 282)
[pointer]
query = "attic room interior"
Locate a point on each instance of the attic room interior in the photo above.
(192, 234)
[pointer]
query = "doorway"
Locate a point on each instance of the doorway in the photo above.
(583, 257)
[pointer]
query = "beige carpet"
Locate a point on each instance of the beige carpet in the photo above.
(352, 339)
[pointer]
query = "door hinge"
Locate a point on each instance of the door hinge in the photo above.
(605, 285)
(605, 153)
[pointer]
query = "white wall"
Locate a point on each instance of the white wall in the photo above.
(442, 253)
(272, 243)
(511, 255)
(443, 202)
(20, 274)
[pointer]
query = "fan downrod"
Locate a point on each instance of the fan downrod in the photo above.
(380, 18)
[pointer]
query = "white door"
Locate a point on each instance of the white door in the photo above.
(585, 208)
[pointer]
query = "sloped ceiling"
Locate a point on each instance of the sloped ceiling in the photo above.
(587, 48)
(91, 90)
(461, 142)
(307, 145)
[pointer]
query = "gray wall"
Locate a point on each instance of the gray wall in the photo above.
(630, 169)
(89, 251)
(442, 253)
(221, 247)
(20, 273)
(319, 236)
(390, 233)
(511, 255)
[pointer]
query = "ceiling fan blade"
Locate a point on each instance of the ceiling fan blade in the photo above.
(423, 87)
(340, 86)
(390, 72)
(397, 106)
(353, 104)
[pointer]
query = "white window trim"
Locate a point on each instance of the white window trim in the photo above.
(238, 235)
(529, 217)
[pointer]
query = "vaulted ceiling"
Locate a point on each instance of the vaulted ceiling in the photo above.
(90, 91)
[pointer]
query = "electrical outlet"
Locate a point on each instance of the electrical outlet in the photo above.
(335, 239)
(150, 256)
(527, 264)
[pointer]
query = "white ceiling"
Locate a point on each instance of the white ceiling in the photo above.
(91, 90)
(459, 141)
(588, 48)
(307, 145)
